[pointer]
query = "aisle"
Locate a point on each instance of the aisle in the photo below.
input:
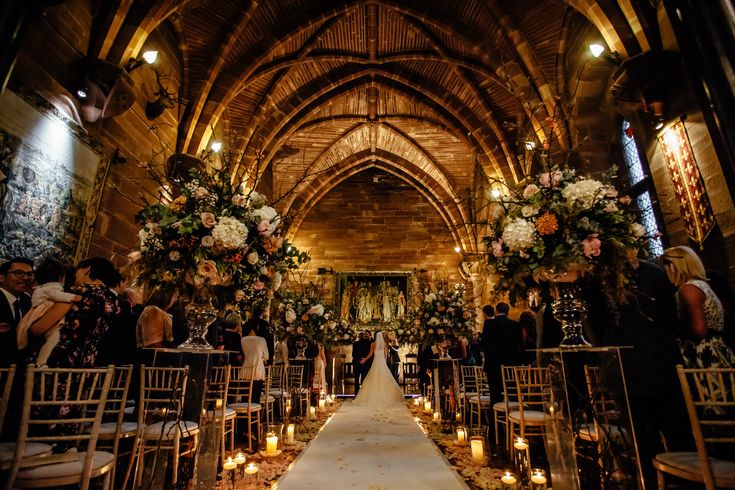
(364, 449)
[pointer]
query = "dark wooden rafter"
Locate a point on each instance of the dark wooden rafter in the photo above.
(106, 25)
(183, 44)
(489, 116)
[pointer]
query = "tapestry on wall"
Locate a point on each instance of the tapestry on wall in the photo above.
(42, 204)
(372, 299)
(691, 194)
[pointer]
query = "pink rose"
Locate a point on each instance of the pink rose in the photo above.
(207, 268)
(591, 245)
(530, 190)
(544, 179)
(498, 248)
(208, 220)
(266, 228)
(201, 193)
(625, 200)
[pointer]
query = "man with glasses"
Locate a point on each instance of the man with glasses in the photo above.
(16, 281)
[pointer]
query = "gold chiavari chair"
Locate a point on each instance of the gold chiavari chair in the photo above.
(468, 387)
(296, 387)
(240, 400)
(533, 387)
(7, 376)
(710, 399)
(160, 427)
(273, 391)
(480, 401)
(58, 404)
(509, 403)
(217, 411)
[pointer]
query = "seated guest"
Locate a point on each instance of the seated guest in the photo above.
(16, 279)
(232, 337)
(155, 325)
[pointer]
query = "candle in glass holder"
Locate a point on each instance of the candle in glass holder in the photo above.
(461, 436)
(312, 412)
(290, 433)
(478, 449)
(240, 458)
(458, 416)
(538, 479)
(508, 478)
(427, 406)
(521, 444)
(417, 401)
(271, 444)
(437, 416)
(229, 465)
(251, 469)
(322, 404)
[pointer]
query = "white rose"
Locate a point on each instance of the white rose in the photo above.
(230, 232)
(290, 315)
(583, 193)
(252, 258)
(519, 235)
(528, 211)
(201, 193)
(208, 241)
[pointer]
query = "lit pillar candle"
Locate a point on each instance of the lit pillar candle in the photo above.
(417, 401)
(271, 445)
(508, 479)
(322, 404)
(312, 412)
(461, 436)
(290, 434)
(427, 406)
(251, 469)
(229, 464)
(458, 416)
(522, 461)
(520, 444)
(478, 449)
(437, 417)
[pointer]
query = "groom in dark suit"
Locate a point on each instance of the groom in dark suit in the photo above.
(360, 350)
(16, 280)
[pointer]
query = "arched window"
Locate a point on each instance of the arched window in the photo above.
(639, 189)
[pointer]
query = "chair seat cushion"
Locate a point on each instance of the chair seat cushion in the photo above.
(278, 393)
(100, 461)
(467, 394)
(501, 407)
(529, 416)
(243, 407)
(169, 429)
(129, 410)
(588, 432)
(7, 450)
(229, 413)
(270, 399)
(484, 399)
(107, 429)
(688, 462)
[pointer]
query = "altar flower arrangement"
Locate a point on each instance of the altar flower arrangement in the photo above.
(302, 317)
(408, 330)
(561, 223)
(339, 332)
(444, 315)
(213, 233)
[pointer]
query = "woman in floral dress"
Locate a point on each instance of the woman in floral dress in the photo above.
(700, 311)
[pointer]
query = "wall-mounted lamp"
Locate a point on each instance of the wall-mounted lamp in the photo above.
(598, 49)
(216, 146)
(495, 193)
(148, 57)
(457, 249)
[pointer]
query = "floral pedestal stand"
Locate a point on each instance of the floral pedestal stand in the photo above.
(568, 308)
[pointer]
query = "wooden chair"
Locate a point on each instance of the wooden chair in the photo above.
(348, 375)
(480, 401)
(278, 387)
(80, 393)
(533, 387)
(710, 399)
(604, 410)
(297, 390)
(267, 400)
(411, 375)
(467, 387)
(160, 407)
(218, 388)
(240, 400)
(7, 376)
(509, 404)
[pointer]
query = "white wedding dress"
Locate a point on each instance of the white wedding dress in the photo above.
(379, 389)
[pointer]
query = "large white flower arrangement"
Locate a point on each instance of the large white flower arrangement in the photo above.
(445, 315)
(339, 333)
(211, 234)
(560, 222)
(302, 317)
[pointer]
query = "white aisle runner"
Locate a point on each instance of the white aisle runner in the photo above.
(364, 449)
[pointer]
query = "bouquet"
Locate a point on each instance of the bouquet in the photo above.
(339, 333)
(562, 224)
(445, 316)
(212, 233)
(301, 317)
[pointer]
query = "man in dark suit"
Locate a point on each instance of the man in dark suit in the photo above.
(16, 280)
(360, 350)
(501, 342)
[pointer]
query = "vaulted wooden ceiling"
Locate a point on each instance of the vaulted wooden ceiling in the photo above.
(310, 92)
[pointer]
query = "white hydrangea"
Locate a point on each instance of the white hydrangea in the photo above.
(519, 235)
(257, 200)
(583, 192)
(317, 310)
(290, 315)
(266, 213)
(230, 232)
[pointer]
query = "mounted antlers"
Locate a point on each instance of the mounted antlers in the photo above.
(165, 99)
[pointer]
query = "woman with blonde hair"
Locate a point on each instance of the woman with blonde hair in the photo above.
(700, 312)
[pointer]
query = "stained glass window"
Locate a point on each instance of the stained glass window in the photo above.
(639, 189)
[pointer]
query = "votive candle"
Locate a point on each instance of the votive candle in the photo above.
(427, 406)
(437, 416)
(458, 416)
(521, 444)
(322, 404)
(251, 469)
(538, 479)
(508, 479)
(271, 445)
(229, 464)
(290, 433)
(240, 458)
(478, 449)
(461, 436)
(312, 411)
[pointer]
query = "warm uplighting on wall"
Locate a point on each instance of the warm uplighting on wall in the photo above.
(596, 49)
(457, 249)
(216, 146)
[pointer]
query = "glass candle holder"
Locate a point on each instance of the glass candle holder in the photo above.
(522, 461)
(509, 480)
(271, 444)
(538, 479)
(461, 436)
(290, 434)
(477, 448)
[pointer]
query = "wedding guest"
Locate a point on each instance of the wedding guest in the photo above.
(501, 343)
(319, 381)
(701, 315)
(725, 294)
(548, 328)
(155, 325)
(281, 352)
(255, 353)
(527, 322)
(647, 323)
(16, 279)
(263, 329)
(50, 290)
(232, 337)
(121, 344)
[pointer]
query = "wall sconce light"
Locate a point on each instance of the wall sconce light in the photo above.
(457, 249)
(148, 57)
(216, 146)
(598, 49)
(495, 193)
(530, 145)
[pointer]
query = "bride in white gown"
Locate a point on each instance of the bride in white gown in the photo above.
(379, 389)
